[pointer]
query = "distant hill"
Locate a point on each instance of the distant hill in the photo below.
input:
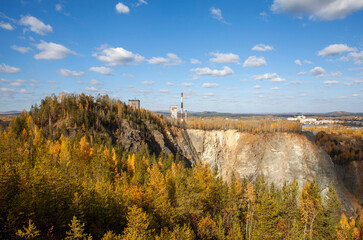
(10, 112)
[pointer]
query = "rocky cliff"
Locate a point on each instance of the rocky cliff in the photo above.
(279, 156)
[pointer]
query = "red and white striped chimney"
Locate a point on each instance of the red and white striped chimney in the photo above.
(181, 109)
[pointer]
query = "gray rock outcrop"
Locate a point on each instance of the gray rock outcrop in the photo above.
(278, 156)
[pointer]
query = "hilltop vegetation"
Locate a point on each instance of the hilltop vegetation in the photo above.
(244, 125)
(63, 175)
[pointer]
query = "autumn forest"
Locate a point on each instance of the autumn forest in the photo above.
(63, 175)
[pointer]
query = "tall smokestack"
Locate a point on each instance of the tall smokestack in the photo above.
(181, 109)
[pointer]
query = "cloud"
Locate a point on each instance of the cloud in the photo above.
(262, 48)
(357, 57)
(129, 75)
(342, 97)
(69, 73)
(317, 9)
(317, 71)
(170, 84)
(297, 82)
(336, 74)
(58, 7)
(187, 84)
(213, 72)
(210, 85)
(8, 69)
(308, 62)
(275, 88)
(273, 77)
(172, 59)
(355, 94)
(13, 83)
(8, 92)
(118, 56)
(148, 83)
(35, 25)
(257, 87)
(96, 90)
(208, 95)
(102, 70)
(330, 83)
(335, 49)
(217, 14)
(298, 62)
(224, 58)
(122, 8)
(21, 49)
(355, 82)
(52, 51)
(254, 61)
(6, 26)
(141, 90)
(301, 73)
(194, 61)
(164, 91)
(95, 82)
(141, 2)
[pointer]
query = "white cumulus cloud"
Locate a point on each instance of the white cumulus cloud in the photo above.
(187, 84)
(95, 82)
(8, 69)
(254, 61)
(21, 49)
(217, 14)
(317, 71)
(118, 56)
(194, 61)
(262, 48)
(96, 90)
(70, 73)
(172, 59)
(147, 82)
(275, 88)
(122, 8)
(102, 70)
(318, 9)
(213, 72)
(273, 77)
(329, 83)
(58, 7)
(210, 85)
(298, 62)
(257, 87)
(163, 91)
(335, 49)
(6, 26)
(224, 58)
(35, 25)
(52, 51)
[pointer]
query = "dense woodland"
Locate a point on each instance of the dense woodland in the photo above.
(62, 181)
(342, 147)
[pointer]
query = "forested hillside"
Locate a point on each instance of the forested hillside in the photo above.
(63, 174)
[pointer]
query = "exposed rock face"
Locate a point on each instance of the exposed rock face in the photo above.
(351, 178)
(279, 156)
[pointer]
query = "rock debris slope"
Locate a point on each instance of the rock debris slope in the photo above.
(278, 156)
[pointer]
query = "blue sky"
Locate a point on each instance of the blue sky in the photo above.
(253, 56)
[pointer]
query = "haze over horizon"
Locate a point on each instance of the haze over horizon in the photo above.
(272, 56)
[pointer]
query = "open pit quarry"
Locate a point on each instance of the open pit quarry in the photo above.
(278, 156)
